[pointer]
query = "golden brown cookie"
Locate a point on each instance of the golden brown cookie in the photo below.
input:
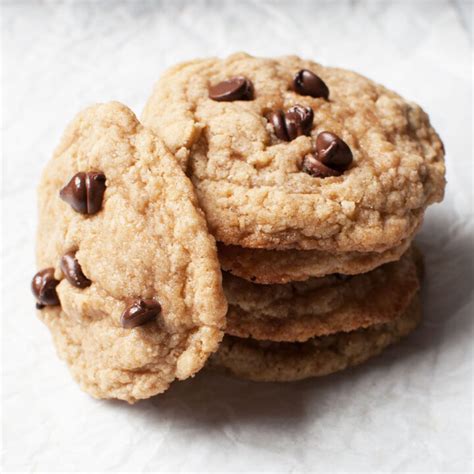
(129, 282)
(320, 306)
(282, 266)
(264, 361)
(288, 154)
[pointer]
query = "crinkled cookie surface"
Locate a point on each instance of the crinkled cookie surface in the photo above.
(252, 185)
(149, 241)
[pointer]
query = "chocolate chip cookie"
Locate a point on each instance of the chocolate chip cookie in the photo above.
(282, 266)
(129, 283)
(266, 361)
(287, 154)
(298, 311)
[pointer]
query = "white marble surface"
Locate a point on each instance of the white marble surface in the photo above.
(409, 410)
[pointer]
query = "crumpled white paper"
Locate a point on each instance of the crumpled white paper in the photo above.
(408, 410)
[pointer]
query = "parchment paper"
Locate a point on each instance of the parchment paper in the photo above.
(408, 410)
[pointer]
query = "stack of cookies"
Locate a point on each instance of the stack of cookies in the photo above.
(312, 180)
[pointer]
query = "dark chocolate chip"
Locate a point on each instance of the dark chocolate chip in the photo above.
(332, 151)
(277, 119)
(84, 192)
(343, 277)
(315, 168)
(95, 186)
(140, 312)
(298, 121)
(74, 193)
(73, 271)
(44, 286)
(307, 83)
(236, 88)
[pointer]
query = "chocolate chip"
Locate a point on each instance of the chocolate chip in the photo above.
(84, 192)
(332, 151)
(277, 119)
(74, 193)
(315, 168)
(307, 83)
(296, 121)
(73, 271)
(236, 88)
(44, 286)
(333, 156)
(140, 312)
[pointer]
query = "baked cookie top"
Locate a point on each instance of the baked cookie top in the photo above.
(285, 153)
(129, 280)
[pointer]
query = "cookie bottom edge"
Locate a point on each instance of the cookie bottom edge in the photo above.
(264, 361)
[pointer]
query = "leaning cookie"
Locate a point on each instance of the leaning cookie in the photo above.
(296, 312)
(287, 154)
(265, 361)
(129, 282)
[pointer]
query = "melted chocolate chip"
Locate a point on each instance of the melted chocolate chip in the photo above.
(84, 192)
(315, 168)
(74, 193)
(332, 151)
(277, 119)
(236, 88)
(297, 121)
(73, 271)
(307, 83)
(44, 286)
(140, 312)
